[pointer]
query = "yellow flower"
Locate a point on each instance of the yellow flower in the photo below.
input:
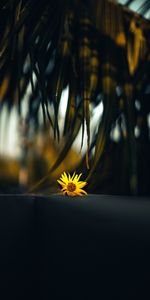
(71, 186)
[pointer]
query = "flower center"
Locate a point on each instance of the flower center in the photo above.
(71, 187)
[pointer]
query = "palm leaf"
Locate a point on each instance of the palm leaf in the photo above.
(69, 141)
(72, 44)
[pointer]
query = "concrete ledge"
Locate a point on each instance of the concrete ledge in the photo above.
(55, 247)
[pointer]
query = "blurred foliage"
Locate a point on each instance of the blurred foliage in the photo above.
(96, 48)
(24, 172)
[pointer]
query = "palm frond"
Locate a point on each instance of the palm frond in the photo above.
(80, 45)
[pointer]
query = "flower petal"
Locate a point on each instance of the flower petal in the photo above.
(61, 183)
(75, 179)
(81, 191)
(64, 188)
(79, 176)
(81, 184)
(64, 177)
(73, 176)
(72, 194)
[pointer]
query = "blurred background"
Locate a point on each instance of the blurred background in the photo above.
(74, 95)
